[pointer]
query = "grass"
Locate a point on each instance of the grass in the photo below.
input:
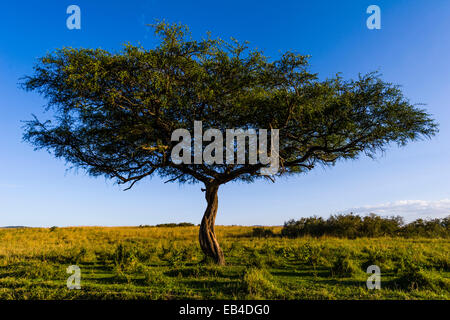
(167, 263)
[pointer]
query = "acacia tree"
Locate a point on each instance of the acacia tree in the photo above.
(114, 113)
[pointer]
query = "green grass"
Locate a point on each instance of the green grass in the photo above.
(166, 263)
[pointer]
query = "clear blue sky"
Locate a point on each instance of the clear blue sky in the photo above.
(412, 49)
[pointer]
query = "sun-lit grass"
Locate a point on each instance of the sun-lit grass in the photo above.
(167, 263)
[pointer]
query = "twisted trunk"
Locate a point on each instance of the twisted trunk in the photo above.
(208, 241)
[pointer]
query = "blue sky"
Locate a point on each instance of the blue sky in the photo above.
(412, 49)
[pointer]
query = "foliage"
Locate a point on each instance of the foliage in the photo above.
(344, 265)
(262, 232)
(258, 283)
(114, 113)
(171, 225)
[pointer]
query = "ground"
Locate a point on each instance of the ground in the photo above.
(167, 263)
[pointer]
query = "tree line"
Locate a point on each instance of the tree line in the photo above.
(354, 226)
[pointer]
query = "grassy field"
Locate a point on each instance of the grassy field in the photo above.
(166, 263)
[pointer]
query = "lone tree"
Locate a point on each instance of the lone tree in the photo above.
(114, 113)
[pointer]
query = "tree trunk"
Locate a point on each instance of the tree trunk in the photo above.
(207, 236)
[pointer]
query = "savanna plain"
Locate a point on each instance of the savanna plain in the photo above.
(149, 262)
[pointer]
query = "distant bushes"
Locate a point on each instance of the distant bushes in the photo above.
(171, 225)
(261, 232)
(353, 226)
(428, 228)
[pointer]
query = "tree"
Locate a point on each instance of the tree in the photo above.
(114, 113)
